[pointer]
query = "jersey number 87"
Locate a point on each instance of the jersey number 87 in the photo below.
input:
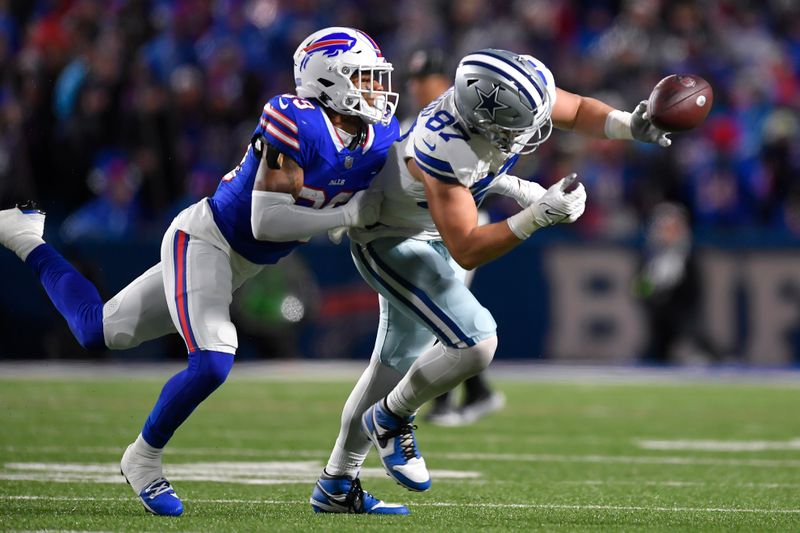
(442, 118)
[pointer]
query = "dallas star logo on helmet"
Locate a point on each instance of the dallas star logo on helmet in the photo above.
(489, 102)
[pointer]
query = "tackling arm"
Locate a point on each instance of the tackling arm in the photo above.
(275, 217)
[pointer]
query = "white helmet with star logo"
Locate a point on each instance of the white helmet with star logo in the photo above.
(507, 97)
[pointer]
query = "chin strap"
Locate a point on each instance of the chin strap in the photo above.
(358, 138)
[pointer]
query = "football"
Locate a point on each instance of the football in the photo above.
(680, 102)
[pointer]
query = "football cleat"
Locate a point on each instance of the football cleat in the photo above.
(160, 499)
(340, 494)
(394, 438)
(21, 228)
(157, 496)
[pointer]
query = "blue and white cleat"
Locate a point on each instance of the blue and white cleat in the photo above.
(160, 499)
(341, 494)
(393, 436)
(157, 496)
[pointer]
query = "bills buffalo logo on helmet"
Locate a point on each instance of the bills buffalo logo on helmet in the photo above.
(330, 45)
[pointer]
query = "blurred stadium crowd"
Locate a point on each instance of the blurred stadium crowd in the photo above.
(116, 114)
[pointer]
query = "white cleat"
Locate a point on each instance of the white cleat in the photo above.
(396, 443)
(21, 228)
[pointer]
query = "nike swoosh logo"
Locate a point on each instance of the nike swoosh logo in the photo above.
(338, 498)
(431, 147)
(555, 213)
(283, 104)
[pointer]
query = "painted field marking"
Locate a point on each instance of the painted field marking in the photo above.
(718, 445)
(554, 506)
(243, 473)
(454, 456)
(613, 459)
(680, 484)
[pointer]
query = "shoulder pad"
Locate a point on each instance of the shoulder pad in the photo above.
(451, 160)
(279, 124)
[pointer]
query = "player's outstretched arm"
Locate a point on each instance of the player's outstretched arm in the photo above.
(275, 217)
(590, 116)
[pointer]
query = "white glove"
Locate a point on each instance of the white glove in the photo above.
(363, 208)
(643, 130)
(556, 206)
(523, 191)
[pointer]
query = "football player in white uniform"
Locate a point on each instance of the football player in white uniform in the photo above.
(428, 78)
(461, 148)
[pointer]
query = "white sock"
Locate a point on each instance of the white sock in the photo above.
(437, 371)
(24, 244)
(146, 451)
(344, 463)
(23, 232)
(141, 464)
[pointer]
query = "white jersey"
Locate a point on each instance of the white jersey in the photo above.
(445, 149)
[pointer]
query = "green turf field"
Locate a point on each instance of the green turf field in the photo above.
(560, 457)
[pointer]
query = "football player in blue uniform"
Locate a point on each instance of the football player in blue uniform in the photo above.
(307, 170)
(433, 333)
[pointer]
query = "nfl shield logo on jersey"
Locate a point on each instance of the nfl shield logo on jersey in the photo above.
(348, 162)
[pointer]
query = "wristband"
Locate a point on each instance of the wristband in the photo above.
(618, 125)
(523, 224)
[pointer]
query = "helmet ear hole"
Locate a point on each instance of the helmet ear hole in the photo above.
(325, 82)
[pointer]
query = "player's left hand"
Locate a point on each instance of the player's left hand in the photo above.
(643, 130)
(563, 202)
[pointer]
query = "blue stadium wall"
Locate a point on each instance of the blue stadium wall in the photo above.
(556, 297)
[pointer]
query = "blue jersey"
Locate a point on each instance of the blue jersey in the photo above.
(299, 129)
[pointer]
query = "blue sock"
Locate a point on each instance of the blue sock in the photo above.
(183, 392)
(73, 295)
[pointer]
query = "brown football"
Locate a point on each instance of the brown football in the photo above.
(680, 102)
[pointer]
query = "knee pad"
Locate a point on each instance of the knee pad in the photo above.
(484, 325)
(87, 326)
(475, 358)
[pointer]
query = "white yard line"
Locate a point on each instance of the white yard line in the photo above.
(501, 457)
(718, 445)
(615, 459)
(241, 473)
(553, 506)
(668, 483)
